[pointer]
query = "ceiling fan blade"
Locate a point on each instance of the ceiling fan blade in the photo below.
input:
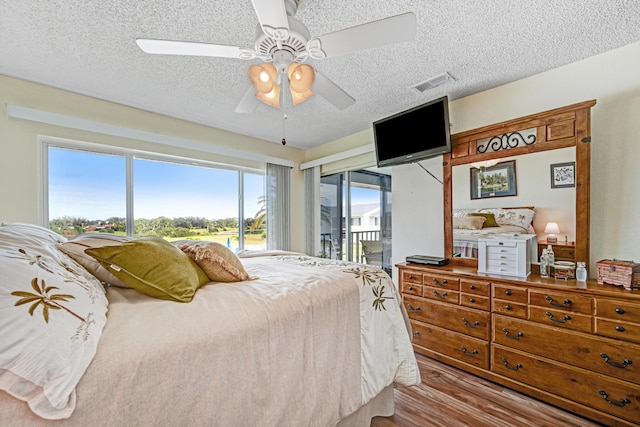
(248, 103)
(272, 15)
(331, 92)
(171, 47)
(395, 29)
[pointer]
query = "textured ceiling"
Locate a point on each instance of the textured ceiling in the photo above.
(88, 47)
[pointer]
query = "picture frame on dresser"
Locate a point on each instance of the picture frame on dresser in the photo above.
(494, 181)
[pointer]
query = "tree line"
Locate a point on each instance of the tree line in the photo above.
(160, 226)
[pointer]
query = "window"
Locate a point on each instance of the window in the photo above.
(167, 197)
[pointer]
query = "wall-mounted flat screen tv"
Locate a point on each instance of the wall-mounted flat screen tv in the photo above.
(412, 135)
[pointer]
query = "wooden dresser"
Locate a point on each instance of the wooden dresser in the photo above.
(574, 347)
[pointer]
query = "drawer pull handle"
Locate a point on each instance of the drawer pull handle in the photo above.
(470, 325)
(621, 403)
(513, 337)
(413, 310)
(563, 320)
(623, 365)
(443, 296)
(620, 328)
(472, 300)
(444, 282)
(466, 353)
(508, 293)
(472, 287)
(619, 310)
(416, 333)
(566, 303)
(410, 288)
(508, 307)
(513, 368)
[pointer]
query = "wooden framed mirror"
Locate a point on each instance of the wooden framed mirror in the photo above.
(560, 128)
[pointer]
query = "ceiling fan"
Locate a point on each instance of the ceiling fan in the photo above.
(285, 45)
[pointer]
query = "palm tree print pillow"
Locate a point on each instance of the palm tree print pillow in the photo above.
(52, 313)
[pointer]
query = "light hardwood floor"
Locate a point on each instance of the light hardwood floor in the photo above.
(449, 397)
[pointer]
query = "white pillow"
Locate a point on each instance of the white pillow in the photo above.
(75, 249)
(46, 345)
(518, 217)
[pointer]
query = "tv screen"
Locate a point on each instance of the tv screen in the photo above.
(415, 134)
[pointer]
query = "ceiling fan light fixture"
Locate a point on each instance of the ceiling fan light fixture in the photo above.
(263, 77)
(301, 77)
(272, 97)
(298, 97)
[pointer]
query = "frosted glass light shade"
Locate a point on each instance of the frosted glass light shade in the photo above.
(301, 77)
(263, 77)
(297, 98)
(271, 98)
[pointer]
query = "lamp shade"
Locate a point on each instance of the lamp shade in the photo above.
(263, 77)
(552, 229)
(301, 77)
(272, 97)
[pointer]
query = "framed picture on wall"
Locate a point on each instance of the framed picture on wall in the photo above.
(563, 175)
(494, 181)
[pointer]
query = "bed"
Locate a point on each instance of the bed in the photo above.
(471, 224)
(299, 341)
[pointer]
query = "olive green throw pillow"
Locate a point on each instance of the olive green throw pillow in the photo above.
(490, 219)
(152, 266)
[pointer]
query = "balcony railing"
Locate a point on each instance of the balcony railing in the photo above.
(333, 249)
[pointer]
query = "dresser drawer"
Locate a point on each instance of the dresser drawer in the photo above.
(509, 293)
(561, 318)
(441, 282)
(564, 253)
(620, 330)
(475, 301)
(412, 276)
(475, 287)
(459, 319)
(442, 295)
(618, 310)
(510, 308)
(610, 357)
(506, 244)
(610, 395)
(563, 301)
(458, 346)
(411, 288)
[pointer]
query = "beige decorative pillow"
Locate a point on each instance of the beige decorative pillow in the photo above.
(218, 261)
(468, 222)
(76, 247)
(152, 266)
(490, 219)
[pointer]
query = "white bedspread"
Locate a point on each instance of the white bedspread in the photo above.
(306, 344)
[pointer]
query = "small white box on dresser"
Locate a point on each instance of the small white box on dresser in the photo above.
(507, 255)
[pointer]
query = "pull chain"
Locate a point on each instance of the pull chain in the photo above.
(284, 118)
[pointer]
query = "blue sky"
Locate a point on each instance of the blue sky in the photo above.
(93, 186)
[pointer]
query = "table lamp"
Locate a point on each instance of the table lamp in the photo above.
(551, 230)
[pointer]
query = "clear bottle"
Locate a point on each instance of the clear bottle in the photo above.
(581, 272)
(544, 267)
(551, 260)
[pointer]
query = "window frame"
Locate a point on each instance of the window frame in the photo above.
(46, 142)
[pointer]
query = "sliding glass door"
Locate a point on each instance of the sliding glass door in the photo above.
(355, 212)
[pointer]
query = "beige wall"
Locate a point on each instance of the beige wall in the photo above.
(19, 158)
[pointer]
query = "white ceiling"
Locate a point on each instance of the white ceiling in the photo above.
(88, 47)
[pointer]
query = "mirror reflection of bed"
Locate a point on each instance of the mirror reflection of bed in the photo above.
(471, 224)
(535, 204)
